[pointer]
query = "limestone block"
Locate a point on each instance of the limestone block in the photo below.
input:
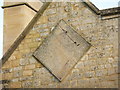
(7, 76)
(51, 11)
(73, 84)
(17, 73)
(62, 49)
(111, 71)
(25, 78)
(27, 84)
(15, 80)
(15, 63)
(24, 61)
(75, 75)
(27, 72)
(89, 74)
(32, 60)
(15, 85)
(32, 66)
(7, 70)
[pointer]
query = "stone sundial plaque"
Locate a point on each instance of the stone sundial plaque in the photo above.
(61, 50)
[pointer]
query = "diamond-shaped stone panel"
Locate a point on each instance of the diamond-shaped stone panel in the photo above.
(61, 50)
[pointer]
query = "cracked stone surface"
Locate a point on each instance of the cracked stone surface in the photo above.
(61, 50)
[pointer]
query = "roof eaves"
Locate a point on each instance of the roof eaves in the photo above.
(110, 11)
(19, 4)
(92, 7)
(104, 12)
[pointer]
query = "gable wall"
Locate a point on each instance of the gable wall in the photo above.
(97, 68)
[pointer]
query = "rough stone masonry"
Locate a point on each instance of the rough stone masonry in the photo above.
(97, 68)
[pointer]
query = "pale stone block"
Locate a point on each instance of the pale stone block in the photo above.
(62, 49)
(32, 66)
(24, 61)
(89, 74)
(27, 72)
(15, 85)
(32, 60)
(27, 84)
(17, 73)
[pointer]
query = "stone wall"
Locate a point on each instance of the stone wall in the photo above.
(98, 68)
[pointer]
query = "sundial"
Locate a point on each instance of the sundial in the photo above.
(61, 50)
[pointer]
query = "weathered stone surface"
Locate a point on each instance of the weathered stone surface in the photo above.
(27, 72)
(75, 75)
(15, 63)
(42, 75)
(28, 67)
(52, 85)
(44, 34)
(15, 85)
(83, 83)
(17, 73)
(98, 68)
(89, 74)
(100, 73)
(73, 84)
(17, 68)
(26, 78)
(27, 84)
(51, 11)
(111, 71)
(36, 83)
(6, 70)
(79, 65)
(32, 60)
(24, 61)
(15, 80)
(64, 84)
(61, 50)
(7, 76)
